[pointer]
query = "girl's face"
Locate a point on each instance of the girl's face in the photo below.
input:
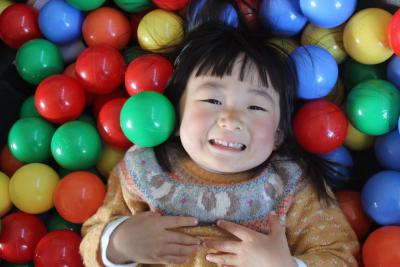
(228, 125)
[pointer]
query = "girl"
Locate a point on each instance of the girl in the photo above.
(231, 188)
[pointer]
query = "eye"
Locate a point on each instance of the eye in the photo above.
(212, 101)
(256, 108)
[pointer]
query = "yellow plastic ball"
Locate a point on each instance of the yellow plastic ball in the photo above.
(110, 156)
(31, 188)
(160, 31)
(4, 4)
(337, 93)
(286, 44)
(330, 39)
(5, 202)
(356, 140)
(365, 36)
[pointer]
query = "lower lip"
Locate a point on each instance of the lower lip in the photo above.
(224, 148)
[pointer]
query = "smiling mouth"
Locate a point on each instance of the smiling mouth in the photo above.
(235, 146)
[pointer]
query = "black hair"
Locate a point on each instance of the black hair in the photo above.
(212, 48)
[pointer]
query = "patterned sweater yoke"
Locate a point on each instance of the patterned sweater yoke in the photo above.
(179, 193)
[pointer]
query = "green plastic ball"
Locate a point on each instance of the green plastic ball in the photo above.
(354, 72)
(131, 53)
(29, 139)
(373, 107)
(28, 108)
(56, 222)
(147, 119)
(134, 6)
(86, 5)
(38, 59)
(76, 145)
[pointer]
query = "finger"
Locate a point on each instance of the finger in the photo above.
(170, 222)
(276, 228)
(174, 259)
(242, 232)
(223, 259)
(180, 238)
(224, 246)
(179, 250)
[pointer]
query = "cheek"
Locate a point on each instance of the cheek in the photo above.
(194, 123)
(263, 131)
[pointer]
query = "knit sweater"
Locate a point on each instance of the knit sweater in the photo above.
(317, 234)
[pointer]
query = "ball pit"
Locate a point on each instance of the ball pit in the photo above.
(105, 44)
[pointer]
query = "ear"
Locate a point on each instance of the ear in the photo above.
(278, 139)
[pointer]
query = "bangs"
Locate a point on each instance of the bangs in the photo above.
(223, 65)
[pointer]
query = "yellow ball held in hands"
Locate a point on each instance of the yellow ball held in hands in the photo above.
(31, 188)
(160, 31)
(5, 202)
(356, 140)
(365, 36)
(331, 39)
(110, 156)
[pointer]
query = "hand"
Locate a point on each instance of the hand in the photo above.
(145, 238)
(255, 249)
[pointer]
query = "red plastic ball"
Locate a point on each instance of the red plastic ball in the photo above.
(171, 5)
(350, 203)
(147, 73)
(58, 248)
(100, 69)
(19, 235)
(394, 33)
(60, 98)
(78, 196)
(320, 126)
(8, 163)
(382, 247)
(19, 24)
(109, 126)
(249, 10)
(100, 100)
(70, 71)
(106, 25)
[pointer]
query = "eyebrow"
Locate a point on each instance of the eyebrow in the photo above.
(254, 91)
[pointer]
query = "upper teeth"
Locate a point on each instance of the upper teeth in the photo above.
(229, 144)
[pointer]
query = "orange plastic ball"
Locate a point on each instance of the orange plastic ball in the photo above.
(107, 25)
(78, 196)
(382, 248)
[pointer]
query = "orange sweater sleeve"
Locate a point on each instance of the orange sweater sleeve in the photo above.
(117, 203)
(320, 235)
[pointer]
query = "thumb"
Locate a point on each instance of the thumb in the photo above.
(276, 226)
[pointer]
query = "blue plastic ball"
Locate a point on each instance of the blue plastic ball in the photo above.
(60, 22)
(282, 17)
(387, 150)
(341, 172)
(317, 71)
(393, 71)
(381, 199)
(328, 13)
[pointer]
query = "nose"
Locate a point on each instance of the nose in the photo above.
(230, 120)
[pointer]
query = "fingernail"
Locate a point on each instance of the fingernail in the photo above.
(273, 213)
(208, 257)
